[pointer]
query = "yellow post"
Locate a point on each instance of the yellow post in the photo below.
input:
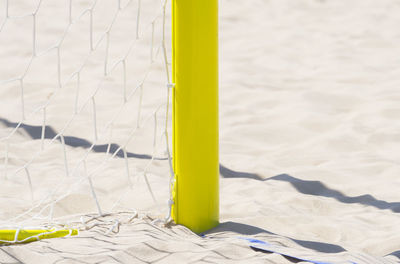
(195, 113)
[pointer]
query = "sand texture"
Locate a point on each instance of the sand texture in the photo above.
(309, 134)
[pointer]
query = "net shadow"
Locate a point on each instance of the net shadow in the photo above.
(35, 132)
(244, 229)
(315, 188)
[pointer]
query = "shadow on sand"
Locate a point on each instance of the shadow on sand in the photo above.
(35, 132)
(243, 229)
(316, 188)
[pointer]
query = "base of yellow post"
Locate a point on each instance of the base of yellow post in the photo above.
(26, 236)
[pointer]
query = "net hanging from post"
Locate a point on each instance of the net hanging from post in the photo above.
(84, 113)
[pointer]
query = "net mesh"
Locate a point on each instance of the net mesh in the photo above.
(84, 113)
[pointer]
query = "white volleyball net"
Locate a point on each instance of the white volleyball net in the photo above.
(84, 111)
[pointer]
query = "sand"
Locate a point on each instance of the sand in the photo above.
(309, 141)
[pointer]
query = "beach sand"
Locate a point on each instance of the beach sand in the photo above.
(309, 137)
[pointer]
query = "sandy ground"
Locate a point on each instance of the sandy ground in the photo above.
(309, 136)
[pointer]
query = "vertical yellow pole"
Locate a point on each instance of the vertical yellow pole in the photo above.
(195, 113)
